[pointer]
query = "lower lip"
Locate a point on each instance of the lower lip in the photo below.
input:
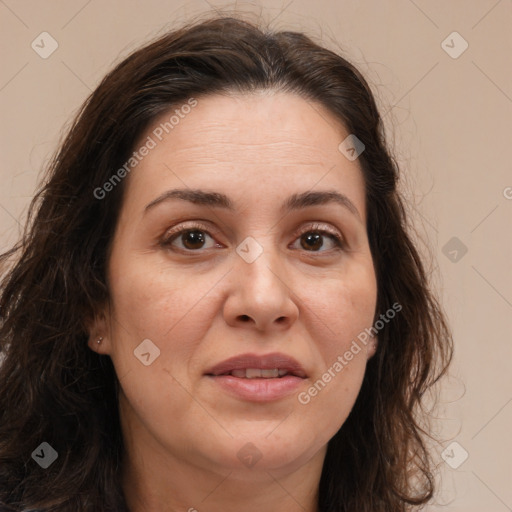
(259, 390)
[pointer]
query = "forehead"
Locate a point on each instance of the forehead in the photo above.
(266, 123)
(258, 142)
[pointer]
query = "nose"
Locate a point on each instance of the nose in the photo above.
(260, 295)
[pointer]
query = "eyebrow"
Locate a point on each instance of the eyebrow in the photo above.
(294, 202)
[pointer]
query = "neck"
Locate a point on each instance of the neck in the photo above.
(155, 481)
(197, 492)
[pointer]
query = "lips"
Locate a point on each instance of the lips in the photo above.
(255, 378)
(253, 366)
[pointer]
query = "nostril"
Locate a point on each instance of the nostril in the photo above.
(245, 318)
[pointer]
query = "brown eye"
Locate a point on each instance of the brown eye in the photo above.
(313, 240)
(190, 238)
(193, 239)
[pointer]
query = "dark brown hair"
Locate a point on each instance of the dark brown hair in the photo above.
(54, 389)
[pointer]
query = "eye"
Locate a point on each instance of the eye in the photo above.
(191, 236)
(311, 239)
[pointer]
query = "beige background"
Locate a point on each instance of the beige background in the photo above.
(450, 120)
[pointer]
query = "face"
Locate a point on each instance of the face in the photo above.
(257, 271)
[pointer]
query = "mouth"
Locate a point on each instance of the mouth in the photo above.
(252, 366)
(258, 378)
(260, 373)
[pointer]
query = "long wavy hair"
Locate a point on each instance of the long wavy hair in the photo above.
(54, 389)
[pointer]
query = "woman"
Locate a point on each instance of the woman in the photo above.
(216, 304)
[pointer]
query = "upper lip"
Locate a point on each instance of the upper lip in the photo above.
(263, 362)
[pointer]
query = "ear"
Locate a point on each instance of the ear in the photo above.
(99, 333)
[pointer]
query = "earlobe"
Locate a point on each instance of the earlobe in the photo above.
(371, 349)
(96, 343)
(97, 328)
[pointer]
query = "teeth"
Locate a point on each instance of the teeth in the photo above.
(270, 374)
(253, 373)
(257, 373)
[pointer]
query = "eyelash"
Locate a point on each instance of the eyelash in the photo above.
(315, 228)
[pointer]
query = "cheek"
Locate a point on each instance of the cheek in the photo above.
(150, 305)
(150, 299)
(345, 308)
(172, 309)
(343, 311)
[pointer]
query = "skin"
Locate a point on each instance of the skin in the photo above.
(182, 432)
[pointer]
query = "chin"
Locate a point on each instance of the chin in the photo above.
(250, 454)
